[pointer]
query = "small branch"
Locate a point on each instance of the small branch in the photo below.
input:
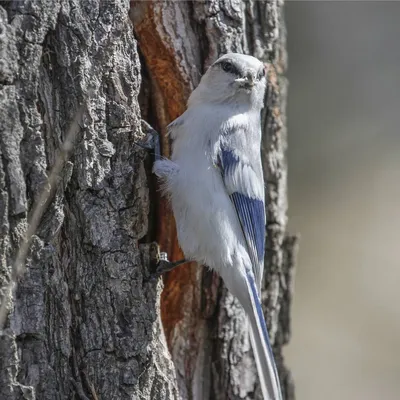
(39, 206)
(90, 386)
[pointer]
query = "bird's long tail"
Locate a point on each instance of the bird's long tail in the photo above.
(262, 350)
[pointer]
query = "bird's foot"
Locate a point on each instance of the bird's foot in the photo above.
(161, 263)
(151, 142)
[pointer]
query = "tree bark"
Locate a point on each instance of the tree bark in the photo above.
(85, 320)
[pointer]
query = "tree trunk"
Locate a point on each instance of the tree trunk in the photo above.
(85, 320)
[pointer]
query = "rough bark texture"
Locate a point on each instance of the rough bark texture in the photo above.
(84, 320)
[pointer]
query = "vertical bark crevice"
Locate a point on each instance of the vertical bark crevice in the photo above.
(84, 319)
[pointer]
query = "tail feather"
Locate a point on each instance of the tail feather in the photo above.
(262, 350)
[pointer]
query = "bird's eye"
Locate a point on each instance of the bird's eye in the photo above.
(228, 67)
(261, 74)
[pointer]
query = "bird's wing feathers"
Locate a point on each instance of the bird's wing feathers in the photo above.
(244, 186)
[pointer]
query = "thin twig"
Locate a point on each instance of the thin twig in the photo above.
(90, 386)
(18, 267)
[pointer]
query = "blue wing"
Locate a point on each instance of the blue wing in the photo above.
(245, 187)
(239, 178)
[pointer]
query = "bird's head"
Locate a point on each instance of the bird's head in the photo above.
(234, 78)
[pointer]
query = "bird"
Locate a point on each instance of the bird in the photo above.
(214, 183)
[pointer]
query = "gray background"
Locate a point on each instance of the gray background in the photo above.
(344, 198)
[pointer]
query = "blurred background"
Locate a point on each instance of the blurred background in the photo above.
(344, 198)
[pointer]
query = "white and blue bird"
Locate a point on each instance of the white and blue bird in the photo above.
(215, 184)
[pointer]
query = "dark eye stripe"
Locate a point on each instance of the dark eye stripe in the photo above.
(261, 73)
(229, 68)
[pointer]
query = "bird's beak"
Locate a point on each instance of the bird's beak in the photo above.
(247, 82)
(250, 81)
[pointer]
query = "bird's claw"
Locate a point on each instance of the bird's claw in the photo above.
(151, 141)
(160, 262)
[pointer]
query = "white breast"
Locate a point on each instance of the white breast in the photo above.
(208, 227)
